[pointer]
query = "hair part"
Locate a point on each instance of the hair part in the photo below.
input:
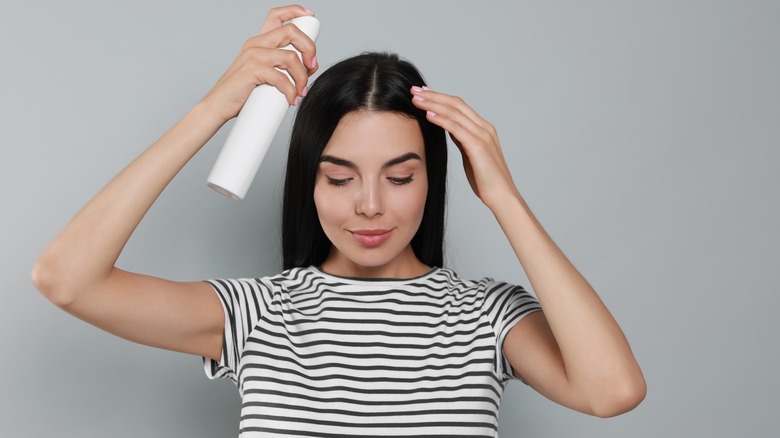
(371, 81)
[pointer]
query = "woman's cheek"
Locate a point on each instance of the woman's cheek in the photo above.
(422, 191)
(411, 202)
(321, 200)
(331, 200)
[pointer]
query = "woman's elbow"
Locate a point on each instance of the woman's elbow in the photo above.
(624, 398)
(46, 281)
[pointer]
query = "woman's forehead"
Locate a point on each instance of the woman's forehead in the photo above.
(375, 136)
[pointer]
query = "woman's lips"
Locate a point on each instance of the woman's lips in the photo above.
(371, 237)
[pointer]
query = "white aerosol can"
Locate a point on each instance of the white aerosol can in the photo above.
(254, 129)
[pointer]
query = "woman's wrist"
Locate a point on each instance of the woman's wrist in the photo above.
(205, 110)
(502, 200)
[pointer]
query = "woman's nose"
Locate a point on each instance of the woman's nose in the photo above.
(369, 202)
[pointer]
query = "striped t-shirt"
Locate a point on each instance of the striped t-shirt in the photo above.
(319, 355)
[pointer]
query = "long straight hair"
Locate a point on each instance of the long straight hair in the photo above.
(372, 81)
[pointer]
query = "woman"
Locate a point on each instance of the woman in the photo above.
(364, 333)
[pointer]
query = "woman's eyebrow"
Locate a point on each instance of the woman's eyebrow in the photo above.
(337, 161)
(401, 159)
(347, 163)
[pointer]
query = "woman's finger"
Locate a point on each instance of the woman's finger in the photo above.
(283, 36)
(463, 130)
(454, 109)
(262, 65)
(277, 16)
(467, 110)
(459, 103)
(279, 80)
(285, 59)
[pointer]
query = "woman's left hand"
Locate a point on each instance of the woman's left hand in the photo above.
(477, 141)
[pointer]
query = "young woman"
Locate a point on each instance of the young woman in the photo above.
(364, 332)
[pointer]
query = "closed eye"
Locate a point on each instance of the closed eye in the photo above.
(401, 181)
(338, 182)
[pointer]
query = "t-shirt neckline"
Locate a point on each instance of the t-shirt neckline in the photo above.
(321, 273)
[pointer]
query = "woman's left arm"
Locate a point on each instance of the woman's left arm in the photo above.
(573, 351)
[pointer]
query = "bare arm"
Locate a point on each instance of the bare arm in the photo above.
(77, 270)
(573, 351)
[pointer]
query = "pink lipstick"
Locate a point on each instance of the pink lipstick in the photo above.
(371, 237)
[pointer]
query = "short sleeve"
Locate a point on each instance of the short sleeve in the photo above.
(242, 302)
(505, 304)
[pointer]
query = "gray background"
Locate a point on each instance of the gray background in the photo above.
(642, 134)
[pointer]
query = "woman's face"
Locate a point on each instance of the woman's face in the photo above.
(370, 194)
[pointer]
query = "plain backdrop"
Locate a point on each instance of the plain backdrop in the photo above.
(643, 135)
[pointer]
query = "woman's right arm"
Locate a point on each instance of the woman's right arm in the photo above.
(77, 270)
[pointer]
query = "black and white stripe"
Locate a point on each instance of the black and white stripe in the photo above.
(317, 355)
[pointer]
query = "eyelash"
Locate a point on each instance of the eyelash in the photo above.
(396, 181)
(401, 181)
(338, 182)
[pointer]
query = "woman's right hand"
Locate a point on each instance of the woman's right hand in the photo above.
(255, 64)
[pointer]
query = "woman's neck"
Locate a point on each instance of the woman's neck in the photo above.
(405, 265)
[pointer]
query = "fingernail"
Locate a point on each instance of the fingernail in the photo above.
(418, 99)
(431, 113)
(308, 11)
(416, 89)
(314, 62)
(305, 91)
(425, 88)
(297, 101)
